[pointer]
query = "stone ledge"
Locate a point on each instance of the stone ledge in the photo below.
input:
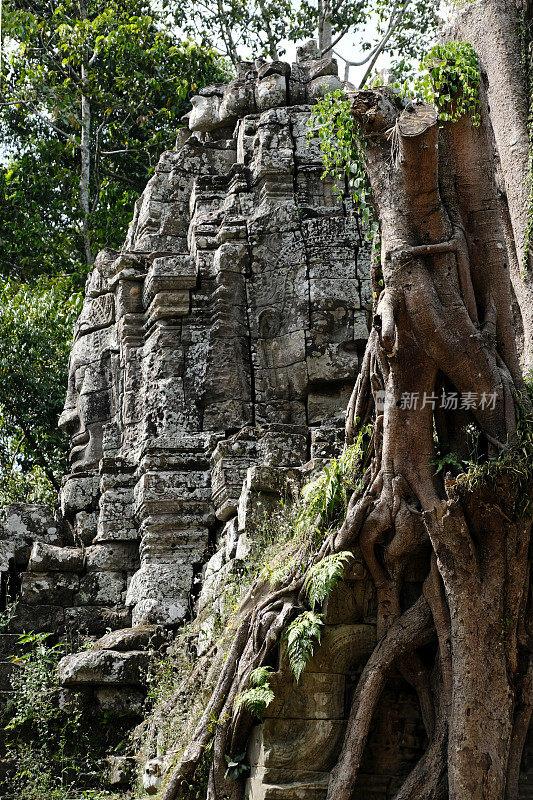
(342, 648)
(103, 667)
(48, 558)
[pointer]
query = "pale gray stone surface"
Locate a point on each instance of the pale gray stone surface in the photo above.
(211, 364)
(137, 638)
(50, 558)
(96, 667)
(120, 770)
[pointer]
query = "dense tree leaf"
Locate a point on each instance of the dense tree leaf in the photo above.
(36, 325)
(122, 64)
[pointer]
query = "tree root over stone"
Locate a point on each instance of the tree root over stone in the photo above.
(442, 323)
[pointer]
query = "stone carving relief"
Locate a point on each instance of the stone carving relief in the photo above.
(90, 395)
(211, 364)
(213, 358)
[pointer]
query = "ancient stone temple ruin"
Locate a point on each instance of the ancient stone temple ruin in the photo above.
(213, 358)
(211, 366)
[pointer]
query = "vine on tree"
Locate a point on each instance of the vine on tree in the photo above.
(451, 83)
(343, 153)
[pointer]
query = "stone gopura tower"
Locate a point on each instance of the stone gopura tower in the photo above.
(214, 355)
(212, 361)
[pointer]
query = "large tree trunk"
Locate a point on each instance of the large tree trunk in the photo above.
(85, 154)
(442, 325)
(324, 27)
(85, 173)
(443, 319)
(500, 32)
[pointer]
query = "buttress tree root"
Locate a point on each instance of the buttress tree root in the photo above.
(442, 325)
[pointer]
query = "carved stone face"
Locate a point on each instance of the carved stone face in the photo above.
(237, 101)
(215, 108)
(89, 395)
(87, 408)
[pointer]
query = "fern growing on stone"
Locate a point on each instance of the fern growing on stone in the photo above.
(301, 635)
(323, 577)
(324, 500)
(259, 696)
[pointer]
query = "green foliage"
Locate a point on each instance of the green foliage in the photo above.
(240, 28)
(197, 789)
(47, 739)
(513, 465)
(136, 77)
(324, 576)
(324, 499)
(7, 615)
(260, 676)
(301, 635)
(39, 222)
(272, 541)
(236, 766)
(302, 525)
(343, 152)
(452, 81)
(323, 502)
(36, 324)
(255, 700)
(447, 460)
(169, 665)
(259, 695)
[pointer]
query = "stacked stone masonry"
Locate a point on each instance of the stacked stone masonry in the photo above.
(212, 360)
(225, 336)
(211, 366)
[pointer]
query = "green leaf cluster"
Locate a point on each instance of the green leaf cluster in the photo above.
(343, 153)
(325, 576)
(447, 460)
(47, 734)
(301, 635)
(452, 81)
(236, 766)
(258, 697)
(515, 464)
(36, 324)
(262, 28)
(136, 77)
(323, 502)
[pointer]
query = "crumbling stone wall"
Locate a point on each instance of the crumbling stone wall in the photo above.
(211, 366)
(214, 356)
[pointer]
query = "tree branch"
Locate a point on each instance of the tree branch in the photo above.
(413, 629)
(392, 27)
